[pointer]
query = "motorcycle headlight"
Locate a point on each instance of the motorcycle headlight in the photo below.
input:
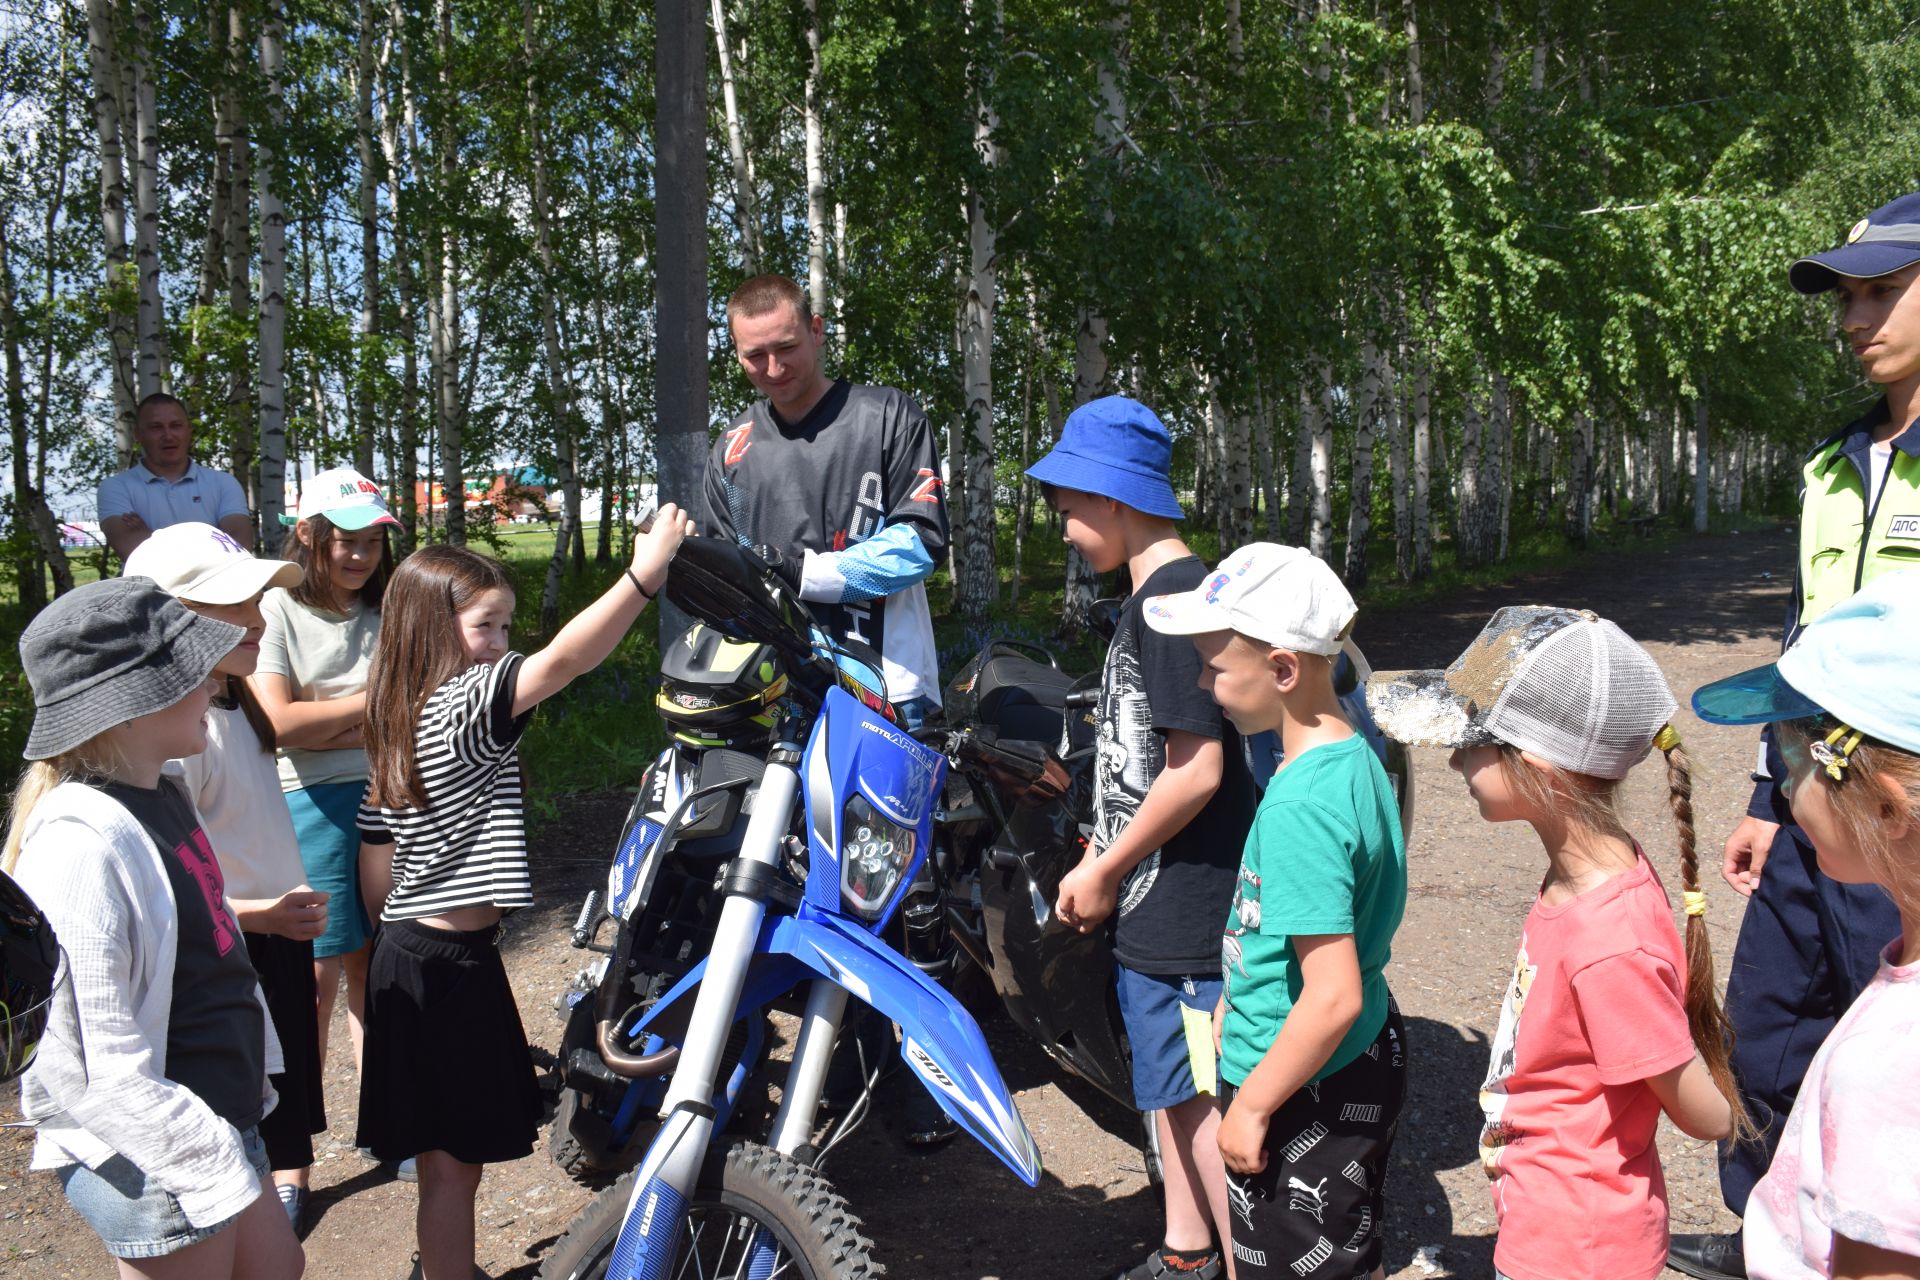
(874, 853)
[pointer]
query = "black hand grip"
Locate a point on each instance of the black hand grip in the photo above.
(1082, 698)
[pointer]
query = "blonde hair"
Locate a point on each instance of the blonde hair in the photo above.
(1864, 803)
(1594, 803)
(96, 757)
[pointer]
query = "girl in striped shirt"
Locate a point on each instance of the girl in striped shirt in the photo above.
(443, 858)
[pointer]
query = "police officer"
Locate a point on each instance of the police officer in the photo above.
(1809, 944)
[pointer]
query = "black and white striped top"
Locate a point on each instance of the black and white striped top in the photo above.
(468, 846)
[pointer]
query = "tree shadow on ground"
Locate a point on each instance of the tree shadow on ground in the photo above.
(1712, 589)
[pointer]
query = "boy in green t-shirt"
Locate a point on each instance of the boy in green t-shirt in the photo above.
(1313, 1056)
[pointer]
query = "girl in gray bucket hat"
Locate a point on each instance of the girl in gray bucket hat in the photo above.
(151, 1080)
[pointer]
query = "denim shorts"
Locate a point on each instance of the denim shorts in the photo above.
(133, 1217)
(1153, 1007)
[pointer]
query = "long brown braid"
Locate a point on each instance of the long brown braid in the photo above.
(1706, 1020)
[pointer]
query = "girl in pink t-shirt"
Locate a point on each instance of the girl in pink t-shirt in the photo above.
(1842, 1197)
(1608, 1020)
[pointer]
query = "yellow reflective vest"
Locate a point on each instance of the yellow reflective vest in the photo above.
(1848, 537)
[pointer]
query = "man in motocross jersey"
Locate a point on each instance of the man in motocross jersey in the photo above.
(840, 482)
(837, 485)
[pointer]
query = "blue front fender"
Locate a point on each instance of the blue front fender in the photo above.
(939, 1039)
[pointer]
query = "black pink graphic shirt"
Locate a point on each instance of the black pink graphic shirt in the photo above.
(217, 1036)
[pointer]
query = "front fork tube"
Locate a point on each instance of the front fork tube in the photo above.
(650, 1235)
(812, 1051)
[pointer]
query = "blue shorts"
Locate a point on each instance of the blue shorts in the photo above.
(136, 1219)
(1164, 1071)
(325, 821)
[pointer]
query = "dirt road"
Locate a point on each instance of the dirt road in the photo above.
(1704, 608)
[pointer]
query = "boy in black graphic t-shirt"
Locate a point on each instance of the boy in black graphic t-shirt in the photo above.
(1172, 803)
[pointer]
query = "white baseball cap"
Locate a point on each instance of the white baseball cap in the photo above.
(202, 563)
(345, 497)
(1283, 596)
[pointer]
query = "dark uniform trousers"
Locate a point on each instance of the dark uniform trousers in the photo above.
(1808, 945)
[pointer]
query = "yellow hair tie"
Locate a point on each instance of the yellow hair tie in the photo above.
(1695, 900)
(1667, 739)
(1836, 752)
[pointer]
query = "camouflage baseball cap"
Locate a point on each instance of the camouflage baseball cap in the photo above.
(1564, 684)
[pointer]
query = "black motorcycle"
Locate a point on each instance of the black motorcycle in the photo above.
(1021, 741)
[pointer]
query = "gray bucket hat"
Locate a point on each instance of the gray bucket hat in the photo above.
(110, 651)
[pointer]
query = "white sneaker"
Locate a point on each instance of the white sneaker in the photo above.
(407, 1170)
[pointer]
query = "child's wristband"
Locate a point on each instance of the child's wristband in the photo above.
(645, 594)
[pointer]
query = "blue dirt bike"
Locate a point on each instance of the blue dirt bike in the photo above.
(824, 836)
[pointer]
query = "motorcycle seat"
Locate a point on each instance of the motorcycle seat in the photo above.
(1022, 699)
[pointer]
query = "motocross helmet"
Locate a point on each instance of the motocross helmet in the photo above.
(719, 692)
(29, 972)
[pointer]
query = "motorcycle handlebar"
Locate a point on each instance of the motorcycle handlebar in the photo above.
(1083, 698)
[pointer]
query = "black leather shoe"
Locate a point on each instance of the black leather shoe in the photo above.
(1708, 1257)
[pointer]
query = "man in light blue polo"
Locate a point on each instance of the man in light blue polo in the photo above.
(167, 486)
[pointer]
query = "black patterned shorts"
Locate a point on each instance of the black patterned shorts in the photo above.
(1316, 1209)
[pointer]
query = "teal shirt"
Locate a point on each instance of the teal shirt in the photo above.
(1325, 855)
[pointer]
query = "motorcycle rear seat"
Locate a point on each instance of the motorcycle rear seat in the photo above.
(1021, 698)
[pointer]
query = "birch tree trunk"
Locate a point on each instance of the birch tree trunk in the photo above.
(1269, 481)
(1320, 467)
(242, 424)
(1368, 398)
(816, 170)
(43, 551)
(746, 212)
(273, 301)
(407, 445)
(121, 289)
(1499, 459)
(1090, 370)
(1469, 499)
(151, 373)
(559, 384)
(451, 424)
(366, 371)
(1579, 520)
(1237, 477)
(1400, 458)
(978, 580)
(1421, 410)
(612, 418)
(1702, 470)
(1300, 472)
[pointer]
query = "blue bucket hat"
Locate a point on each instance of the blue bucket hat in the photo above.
(1116, 448)
(1884, 241)
(1854, 664)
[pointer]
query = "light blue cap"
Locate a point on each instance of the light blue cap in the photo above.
(1856, 664)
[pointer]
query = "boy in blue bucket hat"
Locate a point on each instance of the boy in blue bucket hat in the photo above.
(1808, 942)
(1172, 804)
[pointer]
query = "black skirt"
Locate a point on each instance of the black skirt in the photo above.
(446, 1066)
(286, 978)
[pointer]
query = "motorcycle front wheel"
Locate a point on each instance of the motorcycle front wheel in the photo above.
(744, 1188)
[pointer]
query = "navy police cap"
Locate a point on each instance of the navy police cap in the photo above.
(1883, 242)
